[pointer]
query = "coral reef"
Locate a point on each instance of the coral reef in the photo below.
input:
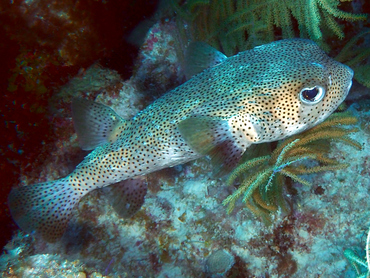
(219, 263)
(157, 69)
(357, 263)
(183, 222)
(44, 44)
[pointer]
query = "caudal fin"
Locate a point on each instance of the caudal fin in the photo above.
(44, 209)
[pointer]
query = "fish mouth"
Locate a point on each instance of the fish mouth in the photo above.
(350, 71)
(349, 82)
(349, 86)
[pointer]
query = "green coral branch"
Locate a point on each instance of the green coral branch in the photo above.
(355, 54)
(349, 53)
(233, 26)
(356, 262)
(362, 74)
(295, 177)
(244, 167)
(331, 6)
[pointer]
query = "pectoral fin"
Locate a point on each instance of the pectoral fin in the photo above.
(213, 137)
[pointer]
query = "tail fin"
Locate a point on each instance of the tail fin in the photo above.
(44, 209)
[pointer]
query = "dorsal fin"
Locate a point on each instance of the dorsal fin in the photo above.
(95, 123)
(200, 56)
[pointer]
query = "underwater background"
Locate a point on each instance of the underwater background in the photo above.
(126, 54)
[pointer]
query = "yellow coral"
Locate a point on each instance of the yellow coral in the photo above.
(263, 178)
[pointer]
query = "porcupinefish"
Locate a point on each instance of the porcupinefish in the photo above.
(260, 95)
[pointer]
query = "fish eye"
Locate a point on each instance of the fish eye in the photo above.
(312, 95)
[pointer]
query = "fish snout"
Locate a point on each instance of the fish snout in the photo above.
(349, 82)
(350, 71)
(343, 76)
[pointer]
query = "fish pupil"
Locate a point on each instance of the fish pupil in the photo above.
(310, 94)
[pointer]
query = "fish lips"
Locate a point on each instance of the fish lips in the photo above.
(349, 80)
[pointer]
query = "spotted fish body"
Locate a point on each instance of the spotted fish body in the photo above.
(260, 95)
